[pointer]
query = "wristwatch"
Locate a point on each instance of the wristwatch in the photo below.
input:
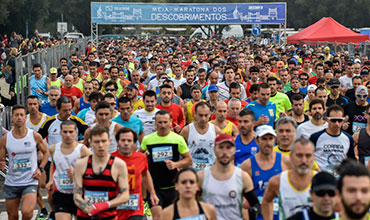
(41, 169)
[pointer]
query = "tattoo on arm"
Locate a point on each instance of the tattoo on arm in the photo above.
(77, 190)
(82, 204)
(121, 190)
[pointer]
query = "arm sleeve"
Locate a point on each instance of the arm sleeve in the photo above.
(351, 149)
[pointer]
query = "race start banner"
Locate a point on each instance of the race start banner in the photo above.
(185, 14)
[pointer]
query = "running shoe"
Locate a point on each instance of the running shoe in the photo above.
(147, 209)
(43, 214)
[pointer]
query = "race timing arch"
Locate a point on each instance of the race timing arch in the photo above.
(108, 13)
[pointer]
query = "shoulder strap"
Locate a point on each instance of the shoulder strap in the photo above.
(200, 208)
(305, 214)
(175, 211)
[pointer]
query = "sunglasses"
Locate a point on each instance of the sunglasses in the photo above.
(361, 96)
(112, 104)
(110, 90)
(334, 120)
(74, 71)
(303, 79)
(322, 193)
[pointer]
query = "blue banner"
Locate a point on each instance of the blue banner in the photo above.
(201, 14)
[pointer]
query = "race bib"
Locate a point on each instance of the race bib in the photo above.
(366, 160)
(356, 126)
(92, 197)
(160, 154)
(200, 164)
(275, 205)
(131, 204)
(197, 217)
(21, 165)
(65, 182)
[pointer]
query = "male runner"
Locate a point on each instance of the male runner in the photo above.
(96, 179)
(223, 184)
(226, 126)
(83, 102)
(21, 181)
(64, 155)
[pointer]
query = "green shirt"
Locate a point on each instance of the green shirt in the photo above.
(171, 138)
(282, 103)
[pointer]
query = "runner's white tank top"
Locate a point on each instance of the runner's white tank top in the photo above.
(113, 143)
(35, 127)
(201, 146)
(63, 162)
(291, 200)
(22, 159)
(225, 196)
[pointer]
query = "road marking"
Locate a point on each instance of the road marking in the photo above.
(3, 200)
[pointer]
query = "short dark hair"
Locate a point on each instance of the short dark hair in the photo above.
(321, 89)
(66, 123)
(317, 101)
(196, 86)
(297, 97)
(62, 100)
(149, 93)
(247, 111)
(124, 100)
(303, 74)
(350, 167)
(263, 86)
(109, 95)
(126, 130)
(201, 104)
(16, 107)
(272, 78)
(98, 130)
(95, 96)
(254, 69)
(320, 80)
(334, 108)
(253, 88)
(101, 105)
(111, 82)
(234, 85)
(36, 65)
(162, 112)
(165, 86)
(32, 97)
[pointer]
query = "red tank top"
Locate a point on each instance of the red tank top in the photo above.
(99, 188)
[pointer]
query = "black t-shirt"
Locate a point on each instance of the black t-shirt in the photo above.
(341, 100)
(311, 214)
(356, 117)
(350, 93)
(290, 94)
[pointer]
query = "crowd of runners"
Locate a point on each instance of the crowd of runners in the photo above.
(192, 129)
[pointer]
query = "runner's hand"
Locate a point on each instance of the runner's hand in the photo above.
(37, 174)
(154, 199)
(2, 165)
(49, 186)
(170, 164)
(345, 126)
(70, 173)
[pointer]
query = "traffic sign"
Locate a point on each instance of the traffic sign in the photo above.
(256, 29)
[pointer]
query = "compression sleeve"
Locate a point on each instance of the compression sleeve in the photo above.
(255, 208)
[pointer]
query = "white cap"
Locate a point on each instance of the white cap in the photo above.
(263, 130)
(311, 87)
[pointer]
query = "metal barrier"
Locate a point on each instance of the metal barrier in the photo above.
(47, 58)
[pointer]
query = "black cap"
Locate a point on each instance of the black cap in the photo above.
(323, 181)
(132, 86)
(334, 82)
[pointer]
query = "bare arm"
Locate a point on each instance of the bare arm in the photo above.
(185, 132)
(43, 148)
(235, 130)
(187, 160)
(122, 179)
(286, 164)
(86, 138)
(48, 84)
(246, 166)
(85, 152)
(179, 91)
(141, 136)
(76, 106)
(218, 130)
(79, 169)
(268, 199)
(355, 140)
(2, 152)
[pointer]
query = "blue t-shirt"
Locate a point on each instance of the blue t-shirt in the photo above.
(51, 110)
(265, 110)
(134, 123)
(304, 90)
(243, 151)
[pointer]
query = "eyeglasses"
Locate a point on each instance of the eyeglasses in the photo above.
(303, 78)
(110, 90)
(322, 193)
(361, 96)
(335, 120)
(74, 71)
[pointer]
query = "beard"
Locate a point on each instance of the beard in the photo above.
(353, 215)
(317, 116)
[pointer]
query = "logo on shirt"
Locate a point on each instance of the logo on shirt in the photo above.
(27, 144)
(232, 194)
(271, 111)
(257, 173)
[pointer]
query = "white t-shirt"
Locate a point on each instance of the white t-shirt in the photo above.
(148, 120)
(178, 82)
(306, 129)
(345, 82)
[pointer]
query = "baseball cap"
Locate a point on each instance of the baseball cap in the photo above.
(334, 82)
(364, 72)
(53, 70)
(304, 46)
(264, 129)
(280, 64)
(221, 138)
(361, 90)
(311, 87)
(323, 181)
(212, 88)
(132, 86)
